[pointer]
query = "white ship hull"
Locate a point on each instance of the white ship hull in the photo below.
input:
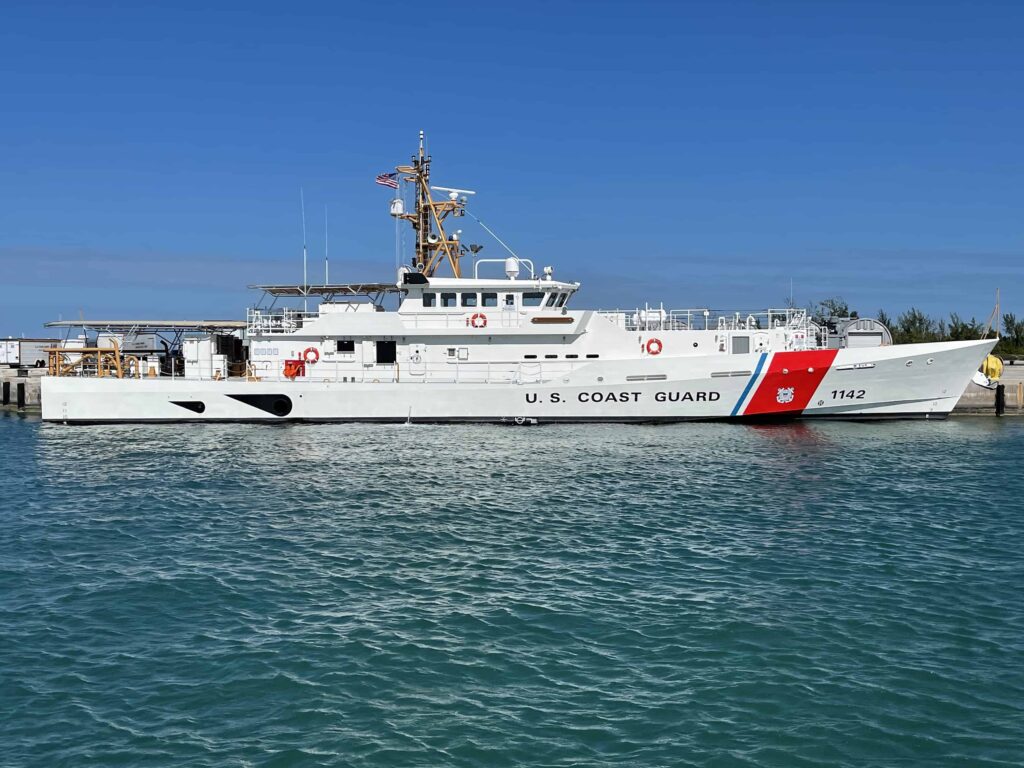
(903, 381)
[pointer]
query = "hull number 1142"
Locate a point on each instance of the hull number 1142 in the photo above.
(847, 394)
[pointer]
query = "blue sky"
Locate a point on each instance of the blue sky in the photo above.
(701, 154)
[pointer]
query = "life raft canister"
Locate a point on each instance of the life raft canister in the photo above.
(479, 320)
(311, 355)
(654, 346)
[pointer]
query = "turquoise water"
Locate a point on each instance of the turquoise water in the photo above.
(707, 595)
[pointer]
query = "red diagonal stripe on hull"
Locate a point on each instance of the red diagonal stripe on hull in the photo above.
(803, 371)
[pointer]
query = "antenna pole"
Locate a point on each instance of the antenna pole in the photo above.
(327, 263)
(423, 186)
(305, 283)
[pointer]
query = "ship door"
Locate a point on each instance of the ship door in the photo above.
(387, 352)
(417, 353)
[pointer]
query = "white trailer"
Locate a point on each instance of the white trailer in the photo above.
(26, 353)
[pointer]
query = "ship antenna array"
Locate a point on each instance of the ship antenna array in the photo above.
(433, 244)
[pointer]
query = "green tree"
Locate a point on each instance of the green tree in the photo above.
(1013, 330)
(963, 330)
(914, 327)
(1011, 341)
(830, 308)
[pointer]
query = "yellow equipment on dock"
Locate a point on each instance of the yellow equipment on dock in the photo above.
(992, 367)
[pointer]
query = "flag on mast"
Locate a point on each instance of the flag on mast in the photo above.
(388, 180)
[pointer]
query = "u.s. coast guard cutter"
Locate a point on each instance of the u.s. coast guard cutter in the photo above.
(509, 347)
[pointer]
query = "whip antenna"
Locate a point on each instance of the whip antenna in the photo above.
(305, 282)
(491, 233)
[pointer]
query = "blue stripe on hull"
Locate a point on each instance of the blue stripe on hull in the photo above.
(750, 384)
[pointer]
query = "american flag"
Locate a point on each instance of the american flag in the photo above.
(388, 180)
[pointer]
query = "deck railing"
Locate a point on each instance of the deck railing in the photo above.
(658, 318)
(283, 320)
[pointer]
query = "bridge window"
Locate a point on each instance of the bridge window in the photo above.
(562, 297)
(532, 299)
(448, 300)
(488, 299)
(429, 299)
(346, 346)
(551, 300)
(469, 299)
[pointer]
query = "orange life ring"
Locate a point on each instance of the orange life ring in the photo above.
(311, 355)
(479, 320)
(654, 346)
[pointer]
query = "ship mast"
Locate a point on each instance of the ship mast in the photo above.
(433, 244)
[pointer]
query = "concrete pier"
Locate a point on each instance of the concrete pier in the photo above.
(978, 401)
(20, 392)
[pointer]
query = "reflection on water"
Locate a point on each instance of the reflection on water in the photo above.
(828, 594)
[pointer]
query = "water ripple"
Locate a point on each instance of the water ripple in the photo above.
(696, 595)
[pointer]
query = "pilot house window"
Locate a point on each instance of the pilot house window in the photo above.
(489, 299)
(469, 299)
(448, 300)
(346, 345)
(532, 299)
(429, 299)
